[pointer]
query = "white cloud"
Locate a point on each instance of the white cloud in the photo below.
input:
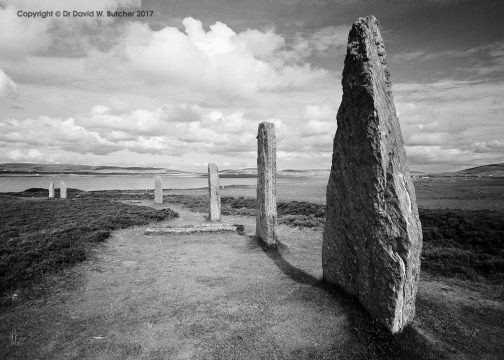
(489, 146)
(451, 122)
(219, 60)
(8, 87)
(220, 83)
(261, 44)
(319, 112)
(170, 130)
(20, 36)
(319, 42)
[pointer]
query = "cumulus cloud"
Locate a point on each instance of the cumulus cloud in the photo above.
(489, 146)
(8, 87)
(309, 137)
(445, 121)
(219, 60)
(306, 44)
(21, 36)
(171, 130)
(451, 122)
(140, 121)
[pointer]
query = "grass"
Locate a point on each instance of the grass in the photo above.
(39, 236)
(466, 244)
(203, 293)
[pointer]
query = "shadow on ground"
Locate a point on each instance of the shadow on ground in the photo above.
(374, 339)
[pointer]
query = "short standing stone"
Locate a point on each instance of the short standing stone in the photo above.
(51, 189)
(158, 190)
(372, 236)
(266, 217)
(214, 192)
(63, 190)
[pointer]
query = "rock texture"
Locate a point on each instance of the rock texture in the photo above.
(214, 192)
(158, 190)
(51, 189)
(63, 190)
(190, 229)
(372, 236)
(266, 217)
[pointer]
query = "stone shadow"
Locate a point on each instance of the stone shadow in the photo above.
(373, 339)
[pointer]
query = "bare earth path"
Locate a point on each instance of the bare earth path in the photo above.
(202, 296)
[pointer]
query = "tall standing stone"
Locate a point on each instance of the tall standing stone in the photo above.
(266, 217)
(63, 190)
(158, 190)
(214, 192)
(51, 189)
(372, 236)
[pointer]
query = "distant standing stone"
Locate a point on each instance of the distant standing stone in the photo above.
(214, 192)
(51, 189)
(63, 190)
(372, 237)
(158, 190)
(266, 217)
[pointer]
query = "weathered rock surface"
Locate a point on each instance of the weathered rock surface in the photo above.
(190, 229)
(372, 236)
(158, 190)
(266, 217)
(51, 189)
(63, 190)
(214, 192)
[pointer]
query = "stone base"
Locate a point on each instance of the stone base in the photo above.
(190, 229)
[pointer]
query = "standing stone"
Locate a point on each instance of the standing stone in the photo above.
(63, 190)
(51, 189)
(266, 217)
(372, 236)
(158, 190)
(214, 190)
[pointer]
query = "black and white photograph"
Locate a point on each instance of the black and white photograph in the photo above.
(252, 179)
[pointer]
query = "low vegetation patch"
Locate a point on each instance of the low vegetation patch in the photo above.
(38, 235)
(467, 244)
(463, 243)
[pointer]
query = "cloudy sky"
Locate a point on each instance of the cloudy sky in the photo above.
(189, 84)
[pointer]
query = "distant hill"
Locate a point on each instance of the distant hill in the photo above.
(252, 173)
(48, 169)
(35, 168)
(485, 170)
(493, 170)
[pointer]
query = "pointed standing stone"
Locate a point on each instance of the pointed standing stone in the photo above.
(372, 236)
(266, 217)
(158, 190)
(51, 189)
(63, 190)
(214, 192)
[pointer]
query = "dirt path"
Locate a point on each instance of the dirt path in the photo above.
(203, 296)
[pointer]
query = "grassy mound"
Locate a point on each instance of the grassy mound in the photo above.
(42, 235)
(467, 244)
